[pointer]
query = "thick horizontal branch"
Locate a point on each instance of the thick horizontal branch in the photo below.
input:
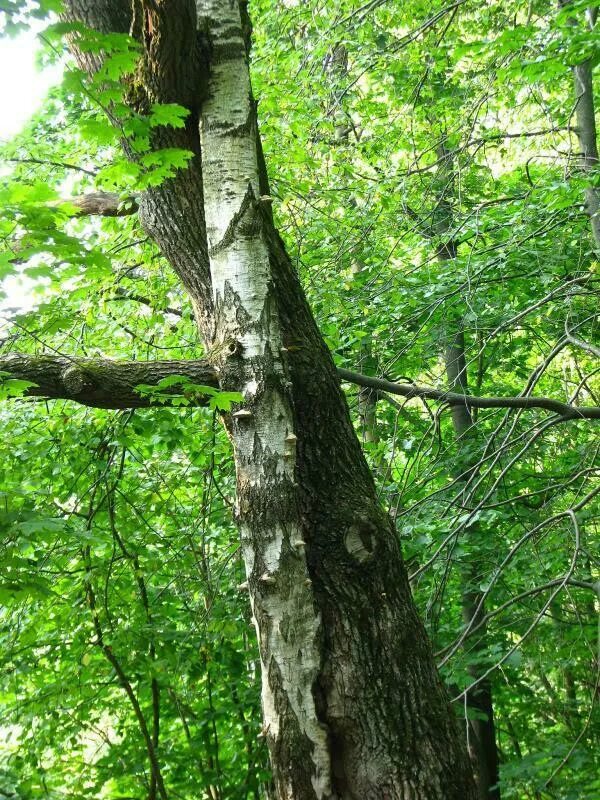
(101, 383)
(112, 384)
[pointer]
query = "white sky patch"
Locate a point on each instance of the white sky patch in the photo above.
(23, 86)
(22, 92)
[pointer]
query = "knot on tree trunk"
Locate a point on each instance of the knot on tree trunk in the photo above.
(76, 380)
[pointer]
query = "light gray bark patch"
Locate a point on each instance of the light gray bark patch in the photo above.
(359, 541)
(294, 747)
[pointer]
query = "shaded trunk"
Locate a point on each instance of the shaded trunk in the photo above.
(482, 741)
(353, 707)
(585, 115)
(346, 665)
(586, 134)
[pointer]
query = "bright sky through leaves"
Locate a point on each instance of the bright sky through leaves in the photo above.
(21, 94)
(24, 86)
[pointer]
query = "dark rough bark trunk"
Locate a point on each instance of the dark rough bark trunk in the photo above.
(380, 698)
(173, 70)
(353, 706)
(102, 383)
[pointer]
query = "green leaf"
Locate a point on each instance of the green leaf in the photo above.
(169, 114)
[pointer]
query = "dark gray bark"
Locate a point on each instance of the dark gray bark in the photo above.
(469, 401)
(380, 698)
(102, 383)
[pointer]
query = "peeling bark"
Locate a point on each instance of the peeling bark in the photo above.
(264, 431)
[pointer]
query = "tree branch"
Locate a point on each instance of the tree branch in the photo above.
(452, 398)
(44, 162)
(103, 204)
(103, 383)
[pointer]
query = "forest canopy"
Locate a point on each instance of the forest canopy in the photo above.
(204, 494)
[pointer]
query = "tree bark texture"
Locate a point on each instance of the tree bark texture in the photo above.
(102, 383)
(106, 383)
(352, 703)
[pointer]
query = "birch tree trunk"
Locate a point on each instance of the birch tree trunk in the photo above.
(352, 703)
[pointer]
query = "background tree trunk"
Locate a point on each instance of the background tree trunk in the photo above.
(482, 744)
(482, 741)
(585, 115)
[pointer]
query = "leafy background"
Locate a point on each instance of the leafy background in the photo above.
(120, 522)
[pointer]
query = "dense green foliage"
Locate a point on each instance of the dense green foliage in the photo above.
(439, 124)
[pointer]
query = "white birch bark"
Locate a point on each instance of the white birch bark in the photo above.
(248, 337)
